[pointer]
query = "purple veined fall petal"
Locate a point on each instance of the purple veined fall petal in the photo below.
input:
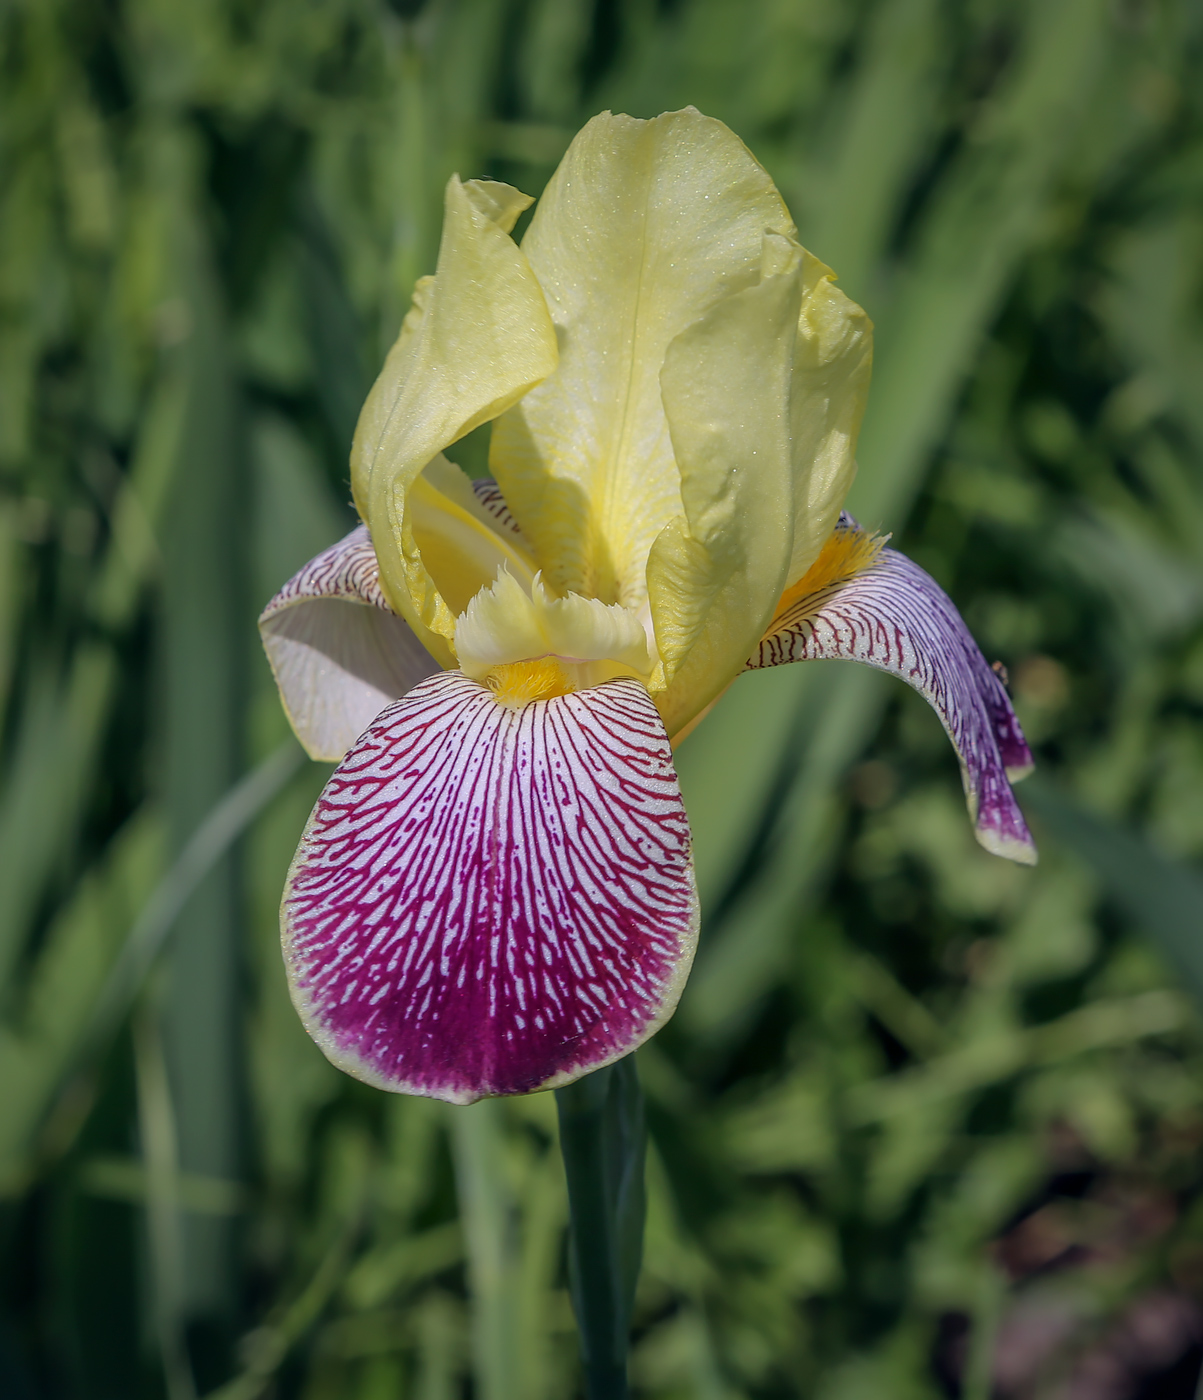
(895, 617)
(493, 901)
(339, 653)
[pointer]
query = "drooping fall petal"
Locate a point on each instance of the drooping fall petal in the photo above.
(895, 617)
(490, 901)
(339, 653)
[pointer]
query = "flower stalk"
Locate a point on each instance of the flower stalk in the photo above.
(603, 1138)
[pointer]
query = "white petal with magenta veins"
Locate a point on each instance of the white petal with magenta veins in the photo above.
(493, 901)
(895, 617)
(339, 653)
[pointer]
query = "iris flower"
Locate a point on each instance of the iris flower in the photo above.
(494, 893)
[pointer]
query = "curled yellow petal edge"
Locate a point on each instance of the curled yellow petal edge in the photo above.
(833, 361)
(724, 409)
(715, 573)
(477, 338)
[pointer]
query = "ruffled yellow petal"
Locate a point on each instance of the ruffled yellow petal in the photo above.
(499, 626)
(716, 573)
(643, 228)
(832, 364)
(476, 339)
(506, 624)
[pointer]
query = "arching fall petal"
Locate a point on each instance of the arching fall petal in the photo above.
(339, 653)
(489, 901)
(896, 618)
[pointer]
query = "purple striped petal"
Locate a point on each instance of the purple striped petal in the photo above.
(488, 493)
(338, 651)
(489, 901)
(895, 617)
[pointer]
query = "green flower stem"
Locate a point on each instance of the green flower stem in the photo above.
(603, 1138)
(488, 1211)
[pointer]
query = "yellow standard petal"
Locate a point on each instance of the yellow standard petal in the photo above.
(832, 363)
(476, 339)
(716, 572)
(642, 229)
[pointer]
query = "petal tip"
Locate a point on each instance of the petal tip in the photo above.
(1020, 849)
(896, 618)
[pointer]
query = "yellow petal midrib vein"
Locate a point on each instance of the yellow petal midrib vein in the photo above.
(618, 458)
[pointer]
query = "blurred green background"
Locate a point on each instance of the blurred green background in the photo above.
(926, 1124)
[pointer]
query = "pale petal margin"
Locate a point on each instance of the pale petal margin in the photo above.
(489, 901)
(895, 617)
(339, 653)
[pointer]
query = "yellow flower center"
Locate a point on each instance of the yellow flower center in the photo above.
(517, 683)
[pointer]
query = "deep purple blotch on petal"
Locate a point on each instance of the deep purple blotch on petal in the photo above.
(897, 618)
(485, 900)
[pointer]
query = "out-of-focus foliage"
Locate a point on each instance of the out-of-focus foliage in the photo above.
(926, 1124)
